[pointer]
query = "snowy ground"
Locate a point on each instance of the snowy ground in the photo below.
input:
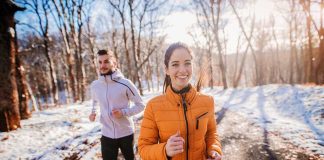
(295, 113)
(281, 118)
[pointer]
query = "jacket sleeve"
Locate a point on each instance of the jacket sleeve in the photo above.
(212, 139)
(148, 146)
(93, 97)
(135, 97)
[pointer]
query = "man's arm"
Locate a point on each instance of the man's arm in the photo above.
(135, 97)
(92, 116)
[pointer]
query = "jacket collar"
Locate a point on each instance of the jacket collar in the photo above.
(117, 75)
(175, 98)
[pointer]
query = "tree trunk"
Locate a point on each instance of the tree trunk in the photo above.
(83, 73)
(53, 80)
(91, 48)
(23, 90)
(291, 43)
(9, 100)
(320, 65)
(33, 99)
(310, 71)
(135, 56)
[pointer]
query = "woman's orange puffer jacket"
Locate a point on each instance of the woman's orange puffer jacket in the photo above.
(165, 115)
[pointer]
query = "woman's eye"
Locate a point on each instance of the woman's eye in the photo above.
(188, 64)
(175, 65)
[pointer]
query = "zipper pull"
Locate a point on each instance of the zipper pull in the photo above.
(184, 104)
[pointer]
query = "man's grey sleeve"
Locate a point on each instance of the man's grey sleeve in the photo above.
(94, 101)
(135, 97)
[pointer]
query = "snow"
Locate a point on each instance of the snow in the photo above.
(46, 130)
(296, 113)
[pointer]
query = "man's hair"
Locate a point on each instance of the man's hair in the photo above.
(106, 52)
(102, 52)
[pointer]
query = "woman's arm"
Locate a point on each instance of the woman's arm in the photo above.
(148, 146)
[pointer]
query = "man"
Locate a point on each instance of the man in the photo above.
(113, 92)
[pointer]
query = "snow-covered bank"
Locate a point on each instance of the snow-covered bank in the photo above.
(294, 112)
(46, 130)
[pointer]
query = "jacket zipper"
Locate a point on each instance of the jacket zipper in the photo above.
(184, 104)
(197, 119)
(109, 107)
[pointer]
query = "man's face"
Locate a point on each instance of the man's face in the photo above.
(106, 64)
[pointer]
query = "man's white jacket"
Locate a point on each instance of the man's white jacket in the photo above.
(115, 92)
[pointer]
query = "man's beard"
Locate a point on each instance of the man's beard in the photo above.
(109, 72)
(105, 71)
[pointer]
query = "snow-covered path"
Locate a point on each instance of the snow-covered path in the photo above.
(295, 113)
(267, 122)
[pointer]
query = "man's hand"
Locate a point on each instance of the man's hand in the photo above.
(174, 145)
(117, 113)
(215, 156)
(92, 117)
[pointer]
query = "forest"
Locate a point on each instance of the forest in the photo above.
(49, 47)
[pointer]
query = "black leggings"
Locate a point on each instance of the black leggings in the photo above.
(109, 147)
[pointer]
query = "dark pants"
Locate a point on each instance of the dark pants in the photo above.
(109, 147)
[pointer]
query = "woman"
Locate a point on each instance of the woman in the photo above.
(180, 124)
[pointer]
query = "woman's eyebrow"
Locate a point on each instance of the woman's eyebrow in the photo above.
(174, 61)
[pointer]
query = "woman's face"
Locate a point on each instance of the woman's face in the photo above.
(179, 68)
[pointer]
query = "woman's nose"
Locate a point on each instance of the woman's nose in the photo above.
(182, 68)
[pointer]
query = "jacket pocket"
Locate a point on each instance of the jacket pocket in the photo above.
(198, 118)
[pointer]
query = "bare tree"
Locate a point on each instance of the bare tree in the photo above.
(216, 29)
(293, 60)
(315, 65)
(257, 79)
(120, 8)
(276, 77)
(89, 36)
(209, 46)
(140, 18)
(60, 15)
(209, 10)
(239, 74)
(41, 10)
(80, 65)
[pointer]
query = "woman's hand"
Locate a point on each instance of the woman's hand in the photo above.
(214, 156)
(174, 145)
